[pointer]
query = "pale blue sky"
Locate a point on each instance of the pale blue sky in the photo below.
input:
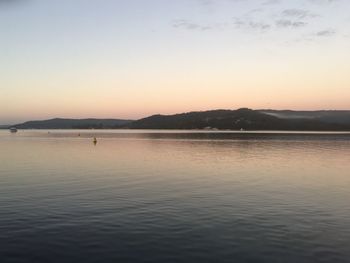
(128, 59)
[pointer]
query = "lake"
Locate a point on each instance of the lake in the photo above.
(174, 196)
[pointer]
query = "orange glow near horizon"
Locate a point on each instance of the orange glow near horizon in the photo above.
(131, 66)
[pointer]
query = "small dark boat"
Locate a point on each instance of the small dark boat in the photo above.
(13, 130)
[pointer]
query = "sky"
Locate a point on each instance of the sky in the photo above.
(133, 58)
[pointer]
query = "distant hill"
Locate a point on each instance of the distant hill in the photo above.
(73, 124)
(244, 118)
(219, 119)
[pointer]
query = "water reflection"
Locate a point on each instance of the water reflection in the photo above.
(180, 197)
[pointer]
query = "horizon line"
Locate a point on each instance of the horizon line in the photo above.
(134, 119)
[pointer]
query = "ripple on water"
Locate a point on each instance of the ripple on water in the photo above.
(174, 197)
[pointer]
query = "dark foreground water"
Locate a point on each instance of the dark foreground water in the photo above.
(174, 197)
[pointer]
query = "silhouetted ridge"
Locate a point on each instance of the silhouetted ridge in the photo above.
(59, 123)
(221, 119)
(215, 119)
(243, 118)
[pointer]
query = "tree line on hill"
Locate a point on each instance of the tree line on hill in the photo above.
(244, 118)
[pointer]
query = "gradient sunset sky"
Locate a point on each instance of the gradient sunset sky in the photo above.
(133, 58)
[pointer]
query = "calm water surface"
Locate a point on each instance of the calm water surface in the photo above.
(140, 196)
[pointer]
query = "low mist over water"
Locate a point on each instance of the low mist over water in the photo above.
(154, 196)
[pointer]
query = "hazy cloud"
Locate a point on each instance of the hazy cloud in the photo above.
(271, 2)
(285, 23)
(259, 25)
(261, 18)
(326, 33)
(298, 13)
(10, 2)
(190, 25)
(250, 24)
(323, 1)
(205, 2)
(182, 23)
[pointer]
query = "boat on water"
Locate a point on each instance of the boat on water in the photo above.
(13, 130)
